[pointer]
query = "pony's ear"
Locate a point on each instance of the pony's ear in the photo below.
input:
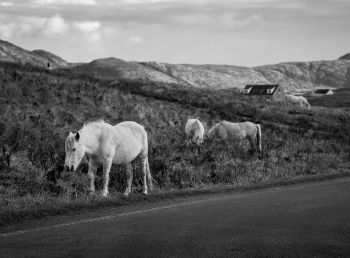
(77, 136)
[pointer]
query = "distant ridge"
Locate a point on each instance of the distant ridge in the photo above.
(290, 75)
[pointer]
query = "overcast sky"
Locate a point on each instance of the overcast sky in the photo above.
(236, 32)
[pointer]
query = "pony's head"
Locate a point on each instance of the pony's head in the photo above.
(198, 133)
(198, 139)
(74, 151)
(211, 133)
(307, 105)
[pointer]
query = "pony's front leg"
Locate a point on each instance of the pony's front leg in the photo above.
(107, 164)
(187, 142)
(129, 176)
(91, 174)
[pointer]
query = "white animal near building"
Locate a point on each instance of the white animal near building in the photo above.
(194, 130)
(102, 143)
(297, 101)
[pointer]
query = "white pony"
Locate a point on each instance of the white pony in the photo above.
(105, 144)
(194, 130)
(229, 132)
(297, 101)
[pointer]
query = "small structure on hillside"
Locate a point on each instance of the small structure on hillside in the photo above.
(324, 92)
(273, 92)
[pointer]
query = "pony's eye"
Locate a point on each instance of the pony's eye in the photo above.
(73, 149)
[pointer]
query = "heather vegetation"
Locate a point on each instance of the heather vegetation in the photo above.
(39, 108)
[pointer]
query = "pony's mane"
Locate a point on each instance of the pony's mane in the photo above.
(93, 125)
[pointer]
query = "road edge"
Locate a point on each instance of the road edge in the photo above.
(115, 201)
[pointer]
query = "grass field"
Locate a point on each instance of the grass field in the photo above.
(39, 108)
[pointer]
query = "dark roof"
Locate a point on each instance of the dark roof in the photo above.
(261, 89)
(322, 91)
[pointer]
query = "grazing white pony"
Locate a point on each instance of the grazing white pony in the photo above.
(297, 101)
(105, 144)
(194, 130)
(228, 132)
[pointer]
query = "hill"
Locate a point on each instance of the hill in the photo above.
(291, 75)
(14, 54)
(117, 69)
(345, 57)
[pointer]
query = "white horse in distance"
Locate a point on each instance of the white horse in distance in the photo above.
(297, 101)
(229, 132)
(195, 131)
(105, 144)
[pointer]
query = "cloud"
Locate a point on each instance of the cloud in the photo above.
(65, 2)
(147, 1)
(6, 4)
(7, 30)
(90, 30)
(87, 26)
(93, 37)
(20, 26)
(230, 21)
(135, 39)
(55, 25)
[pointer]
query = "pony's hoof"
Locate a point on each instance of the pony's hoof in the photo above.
(92, 192)
(126, 194)
(144, 193)
(104, 194)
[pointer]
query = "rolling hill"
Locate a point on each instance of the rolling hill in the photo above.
(291, 75)
(14, 54)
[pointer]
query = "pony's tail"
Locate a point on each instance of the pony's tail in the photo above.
(258, 138)
(149, 176)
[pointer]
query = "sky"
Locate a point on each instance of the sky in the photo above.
(233, 32)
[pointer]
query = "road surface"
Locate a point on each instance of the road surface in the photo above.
(308, 220)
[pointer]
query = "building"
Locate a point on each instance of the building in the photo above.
(272, 92)
(324, 92)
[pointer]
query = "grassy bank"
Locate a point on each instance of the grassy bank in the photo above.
(39, 108)
(41, 206)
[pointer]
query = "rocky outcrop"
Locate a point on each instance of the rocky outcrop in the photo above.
(308, 75)
(209, 76)
(292, 76)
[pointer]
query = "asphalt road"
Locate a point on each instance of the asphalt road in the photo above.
(309, 220)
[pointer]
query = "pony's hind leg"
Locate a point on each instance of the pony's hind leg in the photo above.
(107, 164)
(129, 177)
(253, 147)
(149, 176)
(145, 177)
